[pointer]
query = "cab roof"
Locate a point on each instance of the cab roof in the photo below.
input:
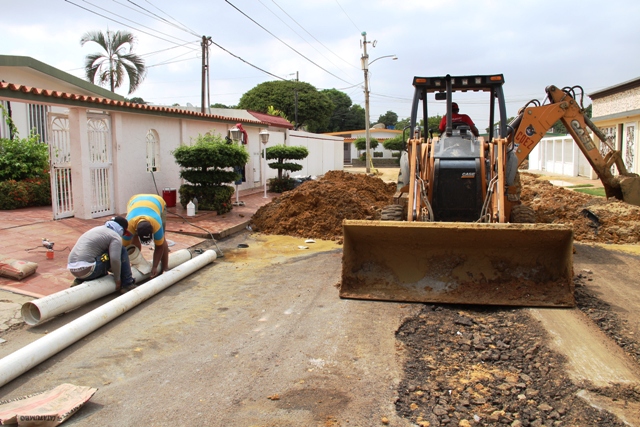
(485, 83)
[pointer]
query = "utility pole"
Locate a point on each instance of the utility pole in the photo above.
(296, 102)
(206, 41)
(365, 68)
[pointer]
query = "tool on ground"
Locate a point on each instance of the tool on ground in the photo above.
(446, 237)
(49, 245)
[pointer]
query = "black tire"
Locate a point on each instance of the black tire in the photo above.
(392, 213)
(522, 214)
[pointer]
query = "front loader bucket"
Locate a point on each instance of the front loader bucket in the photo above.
(460, 263)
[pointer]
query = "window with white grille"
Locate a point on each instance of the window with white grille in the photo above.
(38, 120)
(153, 151)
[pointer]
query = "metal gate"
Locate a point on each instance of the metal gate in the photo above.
(101, 164)
(60, 161)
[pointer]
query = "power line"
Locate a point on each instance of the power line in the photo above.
(246, 62)
(181, 27)
(122, 23)
(343, 11)
(290, 17)
(288, 26)
(281, 41)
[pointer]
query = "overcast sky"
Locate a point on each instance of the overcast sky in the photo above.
(534, 43)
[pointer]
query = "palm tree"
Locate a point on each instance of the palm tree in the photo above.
(111, 67)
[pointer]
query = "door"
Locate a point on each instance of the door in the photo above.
(101, 164)
(347, 152)
(60, 162)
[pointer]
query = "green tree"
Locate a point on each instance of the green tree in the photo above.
(361, 143)
(433, 123)
(136, 99)
(342, 103)
(282, 153)
(389, 119)
(206, 167)
(117, 60)
(355, 118)
(218, 105)
(314, 108)
(401, 124)
(393, 144)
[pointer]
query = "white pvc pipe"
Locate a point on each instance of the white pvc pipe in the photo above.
(37, 311)
(20, 361)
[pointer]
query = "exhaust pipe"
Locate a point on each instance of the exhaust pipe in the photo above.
(20, 361)
(40, 310)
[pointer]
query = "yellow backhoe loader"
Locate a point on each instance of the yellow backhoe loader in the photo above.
(457, 231)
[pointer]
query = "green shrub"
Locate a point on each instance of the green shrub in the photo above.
(23, 158)
(361, 143)
(21, 194)
(280, 153)
(212, 198)
(206, 167)
(377, 154)
(280, 185)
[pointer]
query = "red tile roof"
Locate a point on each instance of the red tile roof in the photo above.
(53, 96)
(276, 121)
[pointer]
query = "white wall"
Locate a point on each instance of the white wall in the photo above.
(560, 155)
(325, 152)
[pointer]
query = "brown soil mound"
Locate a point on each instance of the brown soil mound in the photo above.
(316, 208)
(594, 219)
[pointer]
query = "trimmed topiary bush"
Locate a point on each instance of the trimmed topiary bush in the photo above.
(206, 166)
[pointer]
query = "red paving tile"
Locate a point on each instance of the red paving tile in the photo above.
(22, 231)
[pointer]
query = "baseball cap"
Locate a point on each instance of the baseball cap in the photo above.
(454, 106)
(145, 232)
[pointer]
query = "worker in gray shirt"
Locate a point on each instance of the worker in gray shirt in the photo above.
(99, 250)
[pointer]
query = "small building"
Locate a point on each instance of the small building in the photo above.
(377, 131)
(616, 111)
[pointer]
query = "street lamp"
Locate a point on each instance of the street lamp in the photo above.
(365, 68)
(264, 138)
(236, 136)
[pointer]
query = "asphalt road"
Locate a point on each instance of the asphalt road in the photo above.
(259, 338)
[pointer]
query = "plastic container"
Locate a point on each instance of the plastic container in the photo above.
(191, 209)
(169, 196)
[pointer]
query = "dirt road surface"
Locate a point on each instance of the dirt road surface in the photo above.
(259, 338)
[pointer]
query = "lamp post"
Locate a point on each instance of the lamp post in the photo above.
(365, 68)
(236, 135)
(264, 138)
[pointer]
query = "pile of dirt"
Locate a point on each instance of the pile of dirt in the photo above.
(594, 219)
(487, 367)
(316, 209)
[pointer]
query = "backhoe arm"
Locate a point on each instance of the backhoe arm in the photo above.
(533, 122)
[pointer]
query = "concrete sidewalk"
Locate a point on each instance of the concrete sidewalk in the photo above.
(22, 231)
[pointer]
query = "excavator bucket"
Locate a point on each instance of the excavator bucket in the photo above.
(460, 263)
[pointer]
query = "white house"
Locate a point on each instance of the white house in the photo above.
(103, 150)
(377, 131)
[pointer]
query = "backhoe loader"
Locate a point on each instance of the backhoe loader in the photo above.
(457, 231)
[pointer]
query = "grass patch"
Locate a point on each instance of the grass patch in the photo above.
(580, 186)
(592, 191)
